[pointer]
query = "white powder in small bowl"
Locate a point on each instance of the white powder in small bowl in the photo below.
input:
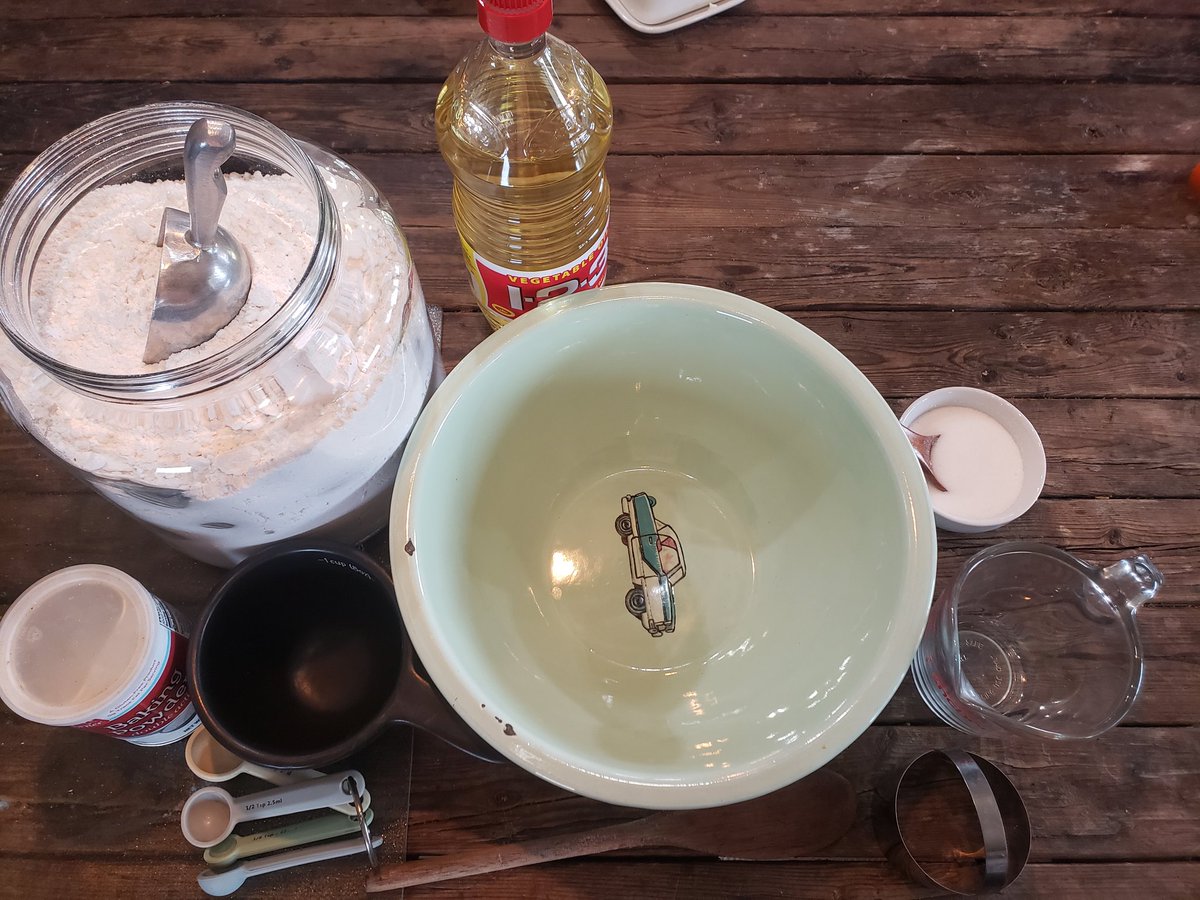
(93, 286)
(975, 459)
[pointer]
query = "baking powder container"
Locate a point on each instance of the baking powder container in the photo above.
(89, 647)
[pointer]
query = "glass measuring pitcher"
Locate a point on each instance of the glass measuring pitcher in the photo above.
(1030, 640)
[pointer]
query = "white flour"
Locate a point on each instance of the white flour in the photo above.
(93, 288)
(308, 441)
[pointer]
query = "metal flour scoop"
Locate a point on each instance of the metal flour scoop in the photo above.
(204, 275)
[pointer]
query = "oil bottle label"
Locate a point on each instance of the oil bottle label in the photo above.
(505, 293)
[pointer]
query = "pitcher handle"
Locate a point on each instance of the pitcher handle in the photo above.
(1134, 580)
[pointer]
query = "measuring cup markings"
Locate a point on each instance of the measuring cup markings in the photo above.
(263, 804)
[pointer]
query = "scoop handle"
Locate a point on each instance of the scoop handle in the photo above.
(295, 798)
(209, 143)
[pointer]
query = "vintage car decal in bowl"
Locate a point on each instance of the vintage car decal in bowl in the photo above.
(655, 564)
(580, 643)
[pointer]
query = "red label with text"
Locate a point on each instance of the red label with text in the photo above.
(162, 703)
(507, 293)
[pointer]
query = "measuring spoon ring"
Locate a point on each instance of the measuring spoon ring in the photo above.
(210, 814)
(209, 761)
(238, 846)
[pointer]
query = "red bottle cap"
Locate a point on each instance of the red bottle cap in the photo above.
(515, 21)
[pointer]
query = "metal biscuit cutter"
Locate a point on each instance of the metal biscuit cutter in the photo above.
(956, 864)
(204, 274)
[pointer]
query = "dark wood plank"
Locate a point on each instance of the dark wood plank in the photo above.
(606, 878)
(599, 880)
(83, 789)
(909, 192)
(108, 9)
(685, 118)
(781, 192)
(1016, 355)
(810, 267)
(1094, 448)
(1075, 790)
(813, 268)
(911, 49)
(75, 795)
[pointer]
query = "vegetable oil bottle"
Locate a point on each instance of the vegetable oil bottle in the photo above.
(524, 124)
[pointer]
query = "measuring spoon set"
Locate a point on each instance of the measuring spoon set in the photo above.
(211, 813)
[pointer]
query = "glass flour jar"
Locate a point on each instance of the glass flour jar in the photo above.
(290, 424)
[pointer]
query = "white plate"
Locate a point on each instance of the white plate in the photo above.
(657, 16)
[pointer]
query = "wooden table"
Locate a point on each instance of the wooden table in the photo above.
(979, 192)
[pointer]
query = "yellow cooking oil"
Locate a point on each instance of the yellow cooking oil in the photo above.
(525, 128)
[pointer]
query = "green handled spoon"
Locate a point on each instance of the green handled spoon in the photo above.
(237, 846)
(226, 881)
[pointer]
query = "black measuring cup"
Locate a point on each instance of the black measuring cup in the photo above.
(301, 658)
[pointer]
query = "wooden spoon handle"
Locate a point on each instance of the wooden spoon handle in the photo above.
(508, 856)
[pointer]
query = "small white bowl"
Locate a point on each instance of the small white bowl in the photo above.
(1033, 455)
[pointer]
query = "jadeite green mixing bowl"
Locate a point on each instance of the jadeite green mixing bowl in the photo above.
(662, 546)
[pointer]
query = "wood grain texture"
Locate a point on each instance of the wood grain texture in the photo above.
(1110, 448)
(1095, 192)
(779, 192)
(1014, 354)
(821, 48)
(813, 267)
(686, 118)
(984, 192)
(459, 802)
(1070, 788)
(602, 880)
(65, 9)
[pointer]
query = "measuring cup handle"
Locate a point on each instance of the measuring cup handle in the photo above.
(1133, 580)
(299, 797)
(418, 703)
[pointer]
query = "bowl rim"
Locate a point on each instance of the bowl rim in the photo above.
(541, 756)
(1012, 420)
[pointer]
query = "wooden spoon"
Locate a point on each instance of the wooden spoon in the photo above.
(787, 824)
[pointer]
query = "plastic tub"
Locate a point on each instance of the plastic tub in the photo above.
(89, 647)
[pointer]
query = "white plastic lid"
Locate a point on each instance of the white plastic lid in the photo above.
(72, 642)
